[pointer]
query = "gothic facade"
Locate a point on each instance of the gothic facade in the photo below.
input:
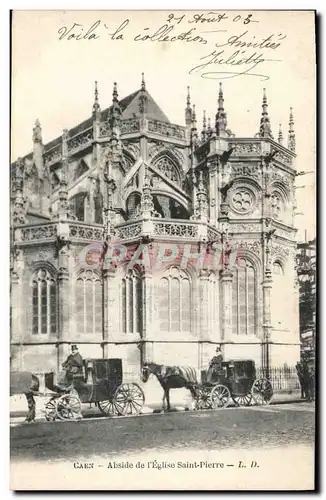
(128, 176)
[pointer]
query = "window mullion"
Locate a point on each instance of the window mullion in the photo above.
(39, 291)
(238, 301)
(84, 308)
(169, 302)
(134, 304)
(48, 306)
(127, 303)
(180, 305)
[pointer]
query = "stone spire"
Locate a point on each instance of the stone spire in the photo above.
(146, 208)
(18, 212)
(194, 134)
(188, 111)
(265, 126)
(204, 129)
(280, 135)
(37, 132)
(220, 118)
(291, 136)
(143, 96)
(96, 105)
(38, 148)
(63, 208)
(115, 113)
(201, 208)
(209, 128)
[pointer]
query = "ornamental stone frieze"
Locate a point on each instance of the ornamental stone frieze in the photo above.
(252, 171)
(245, 228)
(245, 148)
(280, 250)
(251, 246)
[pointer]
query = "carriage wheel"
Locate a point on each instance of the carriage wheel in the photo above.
(262, 391)
(203, 399)
(50, 410)
(244, 400)
(68, 407)
(220, 396)
(108, 407)
(129, 399)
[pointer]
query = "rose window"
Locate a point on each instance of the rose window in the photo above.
(242, 200)
(276, 205)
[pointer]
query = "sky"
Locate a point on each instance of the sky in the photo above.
(53, 76)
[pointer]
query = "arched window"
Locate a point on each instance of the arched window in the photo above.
(244, 298)
(277, 269)
(132, 303)
(168, 168)
(88, 303)
(277, 204)
(77, 204)
(44, 303)
(174, 301)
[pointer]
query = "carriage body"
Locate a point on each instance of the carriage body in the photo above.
(101, 383)
(237, 381)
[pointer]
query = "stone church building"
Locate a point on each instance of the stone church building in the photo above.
(128, 175)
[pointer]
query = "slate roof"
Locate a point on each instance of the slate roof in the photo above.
(130, 109)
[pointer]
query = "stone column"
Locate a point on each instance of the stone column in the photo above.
(226, 304)
(267, 288)
(112, 324)
(106, 277)
(147, 312)
(65, 301)
(203, 301)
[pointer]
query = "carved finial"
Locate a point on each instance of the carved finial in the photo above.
(193, 117)
(291, 137)
(280, 135)
(209, 128)
(143, 97)
(115, 92)
(220, 119)
(37, 131)
(204, 130)
(265, 126)
(96, 105)
(201, 181)
(201, 208)
(188, 112)
(143, 85)
(115, 112)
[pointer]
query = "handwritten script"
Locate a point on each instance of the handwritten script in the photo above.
(225, 54)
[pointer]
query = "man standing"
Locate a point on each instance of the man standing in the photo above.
(72, 366)
(215, 366)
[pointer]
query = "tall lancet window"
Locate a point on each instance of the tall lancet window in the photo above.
(174, 301)
(244, 297)
(132, 303)
(88, 303)
(44, 303)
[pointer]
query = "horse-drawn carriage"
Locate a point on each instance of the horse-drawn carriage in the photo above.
(236, 381)
(101, 383)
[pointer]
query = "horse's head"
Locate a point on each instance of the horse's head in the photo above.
(145, 372)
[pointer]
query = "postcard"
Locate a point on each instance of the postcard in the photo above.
(163, 250)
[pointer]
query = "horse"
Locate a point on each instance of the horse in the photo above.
(25, 383)
(171, 377)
